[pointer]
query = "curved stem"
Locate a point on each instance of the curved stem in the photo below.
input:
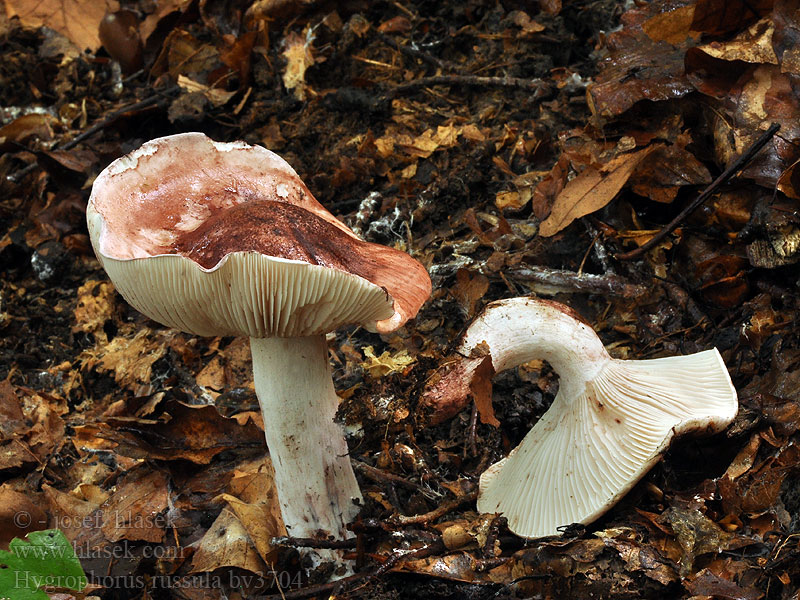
(518, 330)
(316, 486)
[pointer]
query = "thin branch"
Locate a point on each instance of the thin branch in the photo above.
(562, 281)
(735, 167)
(537, 86)
(297, 542)
(382, 476)
(437, 512)
(414, 53)
(336, 587)
(157, 98)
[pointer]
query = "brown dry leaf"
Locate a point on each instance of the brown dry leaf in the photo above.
(639, 68)
(261, 520)
(591, 190)
(722, 16)
(706, 583)
(136, 510)
(639, 555)
(26, 128)
(723, 280)
(387, 363)
(74, 512)
(468, 290)
(15, 454)
(79, 161)
(753, 45)
(671, 25)
(163, 8)
(78, 20)
(481, 388)
(549, 188)
(522, 20)
(18, 515)
(195, 433)
(96, 305)
(212, 377)
(455, 567)
(11, 415)
(299, 56)
(46, 430)
(789, 181)
(130, 360)
(216, 96)
(421, 146)
(763, 95)
(667, 170)
(189, 56)
(227, 544)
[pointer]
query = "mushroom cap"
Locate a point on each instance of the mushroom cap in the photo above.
(225, 239)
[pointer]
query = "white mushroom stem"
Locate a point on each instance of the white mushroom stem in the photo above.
(608, 424)
(314, 479)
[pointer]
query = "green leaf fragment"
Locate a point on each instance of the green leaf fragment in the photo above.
(45, 558)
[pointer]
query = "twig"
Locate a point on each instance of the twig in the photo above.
(383, 476)
(491, 537)
(537, 86)
(473, 426)
(485, 564)
(549, 281)
(296, 542)
(156, 98)
(735, 167)
(342, 584)
(557, 280)
(600, 251)
(414, 53)
(437, 512)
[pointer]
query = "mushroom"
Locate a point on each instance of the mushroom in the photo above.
(607, 426)
(224, 239)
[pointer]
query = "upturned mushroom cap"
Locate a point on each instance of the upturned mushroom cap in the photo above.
(225, 239)
(609, 422)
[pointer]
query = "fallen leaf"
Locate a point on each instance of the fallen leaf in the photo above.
(78, 20)
(227, 544)
(387, 363)
(136, 511)
(298, 54)
(95, 307)
(708, 584)
(722, 16)
(753, 45)
(130, 360)
(468, 290)
(591, 190)
(195, 433)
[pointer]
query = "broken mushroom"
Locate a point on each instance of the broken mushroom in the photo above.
(607, 426)
(220, 239)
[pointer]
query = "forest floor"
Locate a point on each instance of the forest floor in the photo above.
(512, 148)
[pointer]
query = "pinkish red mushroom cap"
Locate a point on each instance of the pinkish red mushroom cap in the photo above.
(184, 213)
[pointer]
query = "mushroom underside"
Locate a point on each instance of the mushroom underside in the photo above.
(589, 449)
